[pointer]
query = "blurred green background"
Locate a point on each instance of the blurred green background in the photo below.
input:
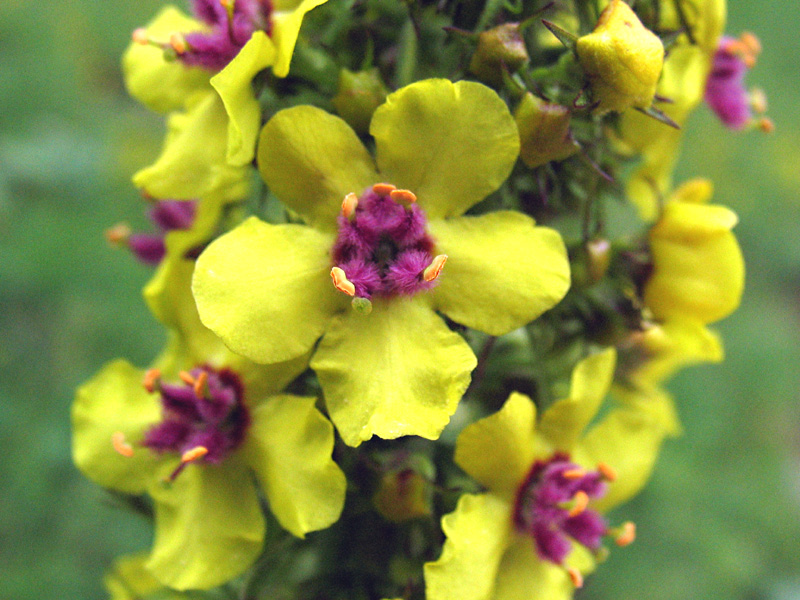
(721, 517)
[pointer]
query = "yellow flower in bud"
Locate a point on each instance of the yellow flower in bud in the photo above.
(543, 131)
(622, 59)
(698, 266)
(402, 496)
(358, 96)
(498, 48)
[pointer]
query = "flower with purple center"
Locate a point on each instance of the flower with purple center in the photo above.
(382, 230)
(550, 506)
(230, 24)
(536, 530)
(206, 434)
(215, 114)
(167, 216)
(725, 92)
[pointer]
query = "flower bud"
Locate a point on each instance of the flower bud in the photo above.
(543, 131)
(403, 495)
(622, 59)
(498, 47)
(359, 94)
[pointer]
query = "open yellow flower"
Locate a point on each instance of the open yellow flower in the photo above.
(533, 533)
(399, 370)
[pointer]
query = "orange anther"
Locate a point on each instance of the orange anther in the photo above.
(751, 41)
(201, 384)
(151, 378)
(581, 500)
(118, 234)
(140, 36)
(575, 576)
(341, 283)
(404, 197)
(749, 60)
(574, 473)
(120, 445)
(432, 271)
(607, 472)
(383, 189)
(178, 43)
(766, 125)
(349, 205)
(628, 534)
(187, 378)
(194, 454)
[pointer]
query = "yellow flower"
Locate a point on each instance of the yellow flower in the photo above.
(622, 59)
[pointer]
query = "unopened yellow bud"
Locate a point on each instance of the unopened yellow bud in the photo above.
(358, 96)
(543, 131)
(402, 496)
(498, 48)
(622, 59)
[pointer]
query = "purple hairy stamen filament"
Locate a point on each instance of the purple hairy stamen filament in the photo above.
(166, 215)
(212, 416)
(227, 34)
(542, 508)
(384, 247)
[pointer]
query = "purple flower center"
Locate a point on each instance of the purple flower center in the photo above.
(383, 246)
(166, 215)
(725, 92)
(229, 30)
(551, 507)
(205, 411)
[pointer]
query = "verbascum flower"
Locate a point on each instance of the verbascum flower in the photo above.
(622, 59)
(128, 579)
(176, 59)
(383, 236)
(683, 83)
(201, 431)
(697, 279)
(725, 93)
(534, 534)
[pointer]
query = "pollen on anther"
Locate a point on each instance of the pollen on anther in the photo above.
(766, 125)
(433, 270)
(118, 234)
(151, 378)
(404, 197)
(581, 501)
(383, 189)
(140, 36)
(574, 473)
(178, 43)
(120, 445)
(349, 205)
(627, 536)
(608, 473)
(341, 283)
(575, 576)
(194, 454)
(187, 378)
(201, 385)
